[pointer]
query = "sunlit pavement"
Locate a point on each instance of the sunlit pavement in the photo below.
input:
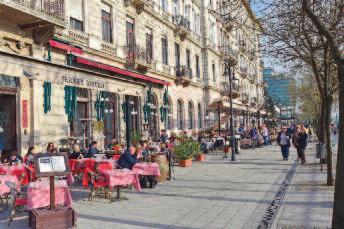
(216, 193)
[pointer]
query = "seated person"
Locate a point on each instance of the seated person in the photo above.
(113, 143)
(92, 150)
(13, 159)
(128, 159)
(30, 155)
(76, 152)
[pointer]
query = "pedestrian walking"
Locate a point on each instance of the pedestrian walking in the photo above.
(253, 135)
(295, 140)
(266, 135)
(283, 140)
(302, 143)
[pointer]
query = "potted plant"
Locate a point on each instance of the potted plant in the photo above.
(184, 151)
(198, 152)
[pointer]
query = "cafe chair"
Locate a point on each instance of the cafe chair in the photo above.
(98, 183)
(18, 200)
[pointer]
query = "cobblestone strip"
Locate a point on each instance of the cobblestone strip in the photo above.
(276, 203)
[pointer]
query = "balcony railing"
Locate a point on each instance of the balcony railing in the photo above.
(244, 98)
(47, 10)
(235, 89)
(183, 75)
(228, 54)
(243, 71)
(183, 71)
(138, 52)
(180, 20)
(139, 57)
(182, 28)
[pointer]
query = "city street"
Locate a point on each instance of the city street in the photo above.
(213, 194)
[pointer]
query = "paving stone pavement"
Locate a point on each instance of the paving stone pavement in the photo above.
(308, 203)
(213, 194)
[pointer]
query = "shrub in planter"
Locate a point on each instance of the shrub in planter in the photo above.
(185, 150)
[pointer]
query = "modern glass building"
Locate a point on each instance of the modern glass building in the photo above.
(279, 89)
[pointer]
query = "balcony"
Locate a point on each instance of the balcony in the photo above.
(242, 46)
(182, 28)
(251, 77)
(138, 58)
(40, 16)
(226, 18)
(244, 98)
(183, 76)
(254, 101)
(243, 72)
(138, 4)
(228, 54)
(225, 90)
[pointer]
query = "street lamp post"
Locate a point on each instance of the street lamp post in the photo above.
(231, 79)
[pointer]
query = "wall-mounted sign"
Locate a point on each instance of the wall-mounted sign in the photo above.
(24, 114)
(74, 81)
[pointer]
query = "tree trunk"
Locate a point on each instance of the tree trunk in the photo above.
(327, 123)
(322, 129)
(338, 207)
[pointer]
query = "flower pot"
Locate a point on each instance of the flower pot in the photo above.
(185, 163)
(200, 157)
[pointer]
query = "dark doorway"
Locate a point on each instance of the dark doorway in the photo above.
(8, 138)
(111, 118)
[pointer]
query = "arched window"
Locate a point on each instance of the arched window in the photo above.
(200, 118)
(180, 110)
(191, 115)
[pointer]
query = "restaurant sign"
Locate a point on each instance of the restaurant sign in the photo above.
(92, 84)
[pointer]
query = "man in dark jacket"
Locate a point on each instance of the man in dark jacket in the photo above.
(128, 159)
(283, 140)
(302, 144)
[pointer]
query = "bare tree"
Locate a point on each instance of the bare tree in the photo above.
(292, 38)
(318, 12)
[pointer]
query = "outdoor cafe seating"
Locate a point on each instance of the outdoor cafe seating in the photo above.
(29, 192)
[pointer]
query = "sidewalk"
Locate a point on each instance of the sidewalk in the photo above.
(308, 202)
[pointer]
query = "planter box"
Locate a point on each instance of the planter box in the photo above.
(185, 163)
(200, 157)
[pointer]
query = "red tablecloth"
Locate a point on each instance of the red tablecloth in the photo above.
(120, 177)
(147, 169)
(38, 194)
(4, 189)
(15, 170)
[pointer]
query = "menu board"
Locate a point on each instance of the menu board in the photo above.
(51, 164)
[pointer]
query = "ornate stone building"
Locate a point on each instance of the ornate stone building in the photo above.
(68, 66)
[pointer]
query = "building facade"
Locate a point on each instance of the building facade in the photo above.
(279, 90)
(69, 67)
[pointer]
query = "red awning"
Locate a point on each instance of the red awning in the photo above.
(66, 47)
(106, 67)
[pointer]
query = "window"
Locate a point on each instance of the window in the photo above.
(198, 74)
(130, 39)
(180, 117)
(76, 15)
(164, 5)
(188, 64)
(177, 54)
(106, 23)
(200, 118)
(214, 75)
(164, 46)
(175, 9)
(149, 46)
(191, 115)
